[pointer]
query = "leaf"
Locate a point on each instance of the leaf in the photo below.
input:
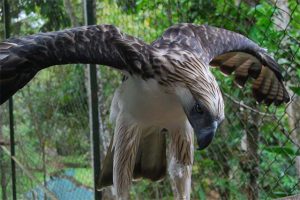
(295, 89)
(285, 151)
(298, 73)
(279, 194)
(201, 193)
(283, 61)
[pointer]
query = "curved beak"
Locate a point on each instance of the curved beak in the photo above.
(205, 135)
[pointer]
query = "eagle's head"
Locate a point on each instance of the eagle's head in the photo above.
(202, 103)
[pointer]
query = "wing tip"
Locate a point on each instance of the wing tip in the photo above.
(277, 100)
(269, 61)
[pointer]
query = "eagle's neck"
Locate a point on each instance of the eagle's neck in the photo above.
(148, 103)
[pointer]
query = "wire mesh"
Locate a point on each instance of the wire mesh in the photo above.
(255, 154)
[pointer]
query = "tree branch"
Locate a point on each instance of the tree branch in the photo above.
(247, 107)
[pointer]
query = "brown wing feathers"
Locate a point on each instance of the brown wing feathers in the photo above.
(245, 59)
(22, 58)
(233, 53)
(267, 86)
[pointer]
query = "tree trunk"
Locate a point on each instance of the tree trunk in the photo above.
(294, 123)
(250, 161)
(221, 152)
(71, 12)
(282, 15)
(37, 124)
(253, 157)
(282, 19)
(44, 167)
(3, 170)
(223, 158)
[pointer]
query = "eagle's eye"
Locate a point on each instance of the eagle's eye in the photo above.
(199, 109)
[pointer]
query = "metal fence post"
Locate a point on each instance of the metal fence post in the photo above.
(6, 15)
(90, 18)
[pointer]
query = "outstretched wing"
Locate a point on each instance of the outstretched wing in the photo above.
(233, 53)
(22, 58)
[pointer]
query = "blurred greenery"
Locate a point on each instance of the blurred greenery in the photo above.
(51, 114)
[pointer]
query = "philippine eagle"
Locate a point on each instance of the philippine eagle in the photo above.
(169, 88)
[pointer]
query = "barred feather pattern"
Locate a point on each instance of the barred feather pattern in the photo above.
(230, 51)
(22, 58)
(182, 144)
(126, 142)
(181, 160)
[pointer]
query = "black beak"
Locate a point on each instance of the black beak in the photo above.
(205, 135)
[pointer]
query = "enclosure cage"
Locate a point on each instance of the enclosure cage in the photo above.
(255, 154)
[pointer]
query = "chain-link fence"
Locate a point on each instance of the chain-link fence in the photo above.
(255, 154)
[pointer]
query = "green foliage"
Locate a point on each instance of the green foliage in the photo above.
(296, 90)
(84, 176)
(53, 13)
